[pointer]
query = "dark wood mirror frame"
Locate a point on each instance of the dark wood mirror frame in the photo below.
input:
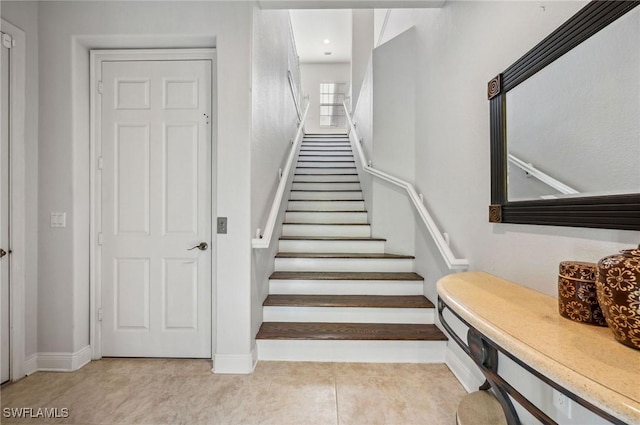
(609, 212)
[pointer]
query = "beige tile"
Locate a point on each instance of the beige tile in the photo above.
(157, 391)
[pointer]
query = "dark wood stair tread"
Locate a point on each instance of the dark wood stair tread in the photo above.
(363, 301)
(346, 276)
(342, 255)
(326, 211)
(324, 190)
(326, 200)
(329, 238)
(350, 331)
(328, 181)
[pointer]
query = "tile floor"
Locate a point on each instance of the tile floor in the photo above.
(137, 391)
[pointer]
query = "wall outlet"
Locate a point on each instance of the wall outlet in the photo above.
(562, 403)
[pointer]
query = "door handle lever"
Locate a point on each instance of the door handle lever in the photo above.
(3, 252)
(202, 246)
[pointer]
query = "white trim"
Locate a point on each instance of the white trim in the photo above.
(96, 59)
(64, 362)
(460, 370)
(383, 27)
(31, 364)
(453, 263)
(235, 363)
(17, 271)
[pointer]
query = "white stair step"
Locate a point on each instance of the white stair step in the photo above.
(345, 264)
(326, 186)
(325, 195)
(365, 245)
(352, 351)
(348, 315)
(326, 153)
(325, 143)
(325, 170)
(345, 230)
(317, 148)
(326, 139)
(340, 157)
(345, 287)
(325, 217)
(326, 164)
(326, 178)
(301, 205)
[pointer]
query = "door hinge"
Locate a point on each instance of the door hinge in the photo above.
(99, 315)
(7, 41)
(100, 239)
(100, 87)
(100, 163)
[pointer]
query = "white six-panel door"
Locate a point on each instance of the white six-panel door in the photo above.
(155, 149)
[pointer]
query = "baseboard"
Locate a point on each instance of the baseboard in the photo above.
(235, 363)
(31, 364)
(63, 362)
(461, 371)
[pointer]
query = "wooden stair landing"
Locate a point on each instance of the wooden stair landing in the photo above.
(364, 301)
(350, 331)
(345, 276)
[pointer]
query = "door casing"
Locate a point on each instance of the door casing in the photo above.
(97, 57)
(17, 201)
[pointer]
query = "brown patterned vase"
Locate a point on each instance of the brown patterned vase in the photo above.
(618, 286)
(577, 299)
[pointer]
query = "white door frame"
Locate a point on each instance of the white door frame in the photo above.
(17, 201)
(97, 57)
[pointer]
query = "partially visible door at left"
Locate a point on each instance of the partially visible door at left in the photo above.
(4, 213)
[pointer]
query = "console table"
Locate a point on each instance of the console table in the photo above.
(583, 362)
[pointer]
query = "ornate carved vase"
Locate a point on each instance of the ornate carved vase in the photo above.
(577, 299)
(618, 288)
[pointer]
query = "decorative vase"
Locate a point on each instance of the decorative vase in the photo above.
(577, 298)
(618, 288)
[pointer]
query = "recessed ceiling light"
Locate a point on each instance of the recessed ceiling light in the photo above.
(327, 53)
(326, 41)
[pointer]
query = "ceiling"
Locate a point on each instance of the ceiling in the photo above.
(312, 27)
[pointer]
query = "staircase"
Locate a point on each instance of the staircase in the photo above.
(335, 295)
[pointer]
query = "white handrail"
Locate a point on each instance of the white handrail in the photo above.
(543, 177)
(452, 262)
(263, 241)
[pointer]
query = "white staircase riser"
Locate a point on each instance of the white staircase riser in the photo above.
(316, 246)
(326, 143)
(389, 265)
(326, 195)
(317, 148)
(355, 230)
(326, 186)
(326, 164)
(325, 154)
(352, 351)
(317, 157)
(323, 170)
(346, 287)
(325, 206)
(327, 178)
(325, 217)
(348, 315)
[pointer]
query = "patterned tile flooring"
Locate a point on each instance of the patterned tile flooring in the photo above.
(162, 391)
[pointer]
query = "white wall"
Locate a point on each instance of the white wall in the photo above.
(24, 15)
(394, 79)
(361, 46)
(67, 31)
(274, 125)
(312, 75)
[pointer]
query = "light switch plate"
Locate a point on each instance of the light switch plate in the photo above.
(58, 219)
(222, 224)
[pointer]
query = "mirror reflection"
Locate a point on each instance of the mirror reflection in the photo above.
(573, 129)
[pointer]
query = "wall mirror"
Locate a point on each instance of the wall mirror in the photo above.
(565, 125)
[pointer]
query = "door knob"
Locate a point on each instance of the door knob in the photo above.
(3, 252)
(202, 246)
